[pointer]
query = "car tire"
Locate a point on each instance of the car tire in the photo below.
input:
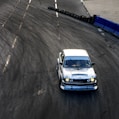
(60, 82)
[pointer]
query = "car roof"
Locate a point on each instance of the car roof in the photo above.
(75, 52)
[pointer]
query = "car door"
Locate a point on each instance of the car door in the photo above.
(60, 71)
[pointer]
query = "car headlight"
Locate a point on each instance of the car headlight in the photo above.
(92, 79)
(67, 79)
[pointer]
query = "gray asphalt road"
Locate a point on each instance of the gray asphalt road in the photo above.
(31, 39)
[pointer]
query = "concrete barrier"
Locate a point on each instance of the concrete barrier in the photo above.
(106, 25)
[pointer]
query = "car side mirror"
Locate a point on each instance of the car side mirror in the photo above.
(92, 63)
(60, 63)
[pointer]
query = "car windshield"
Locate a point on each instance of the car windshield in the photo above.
(77, 63)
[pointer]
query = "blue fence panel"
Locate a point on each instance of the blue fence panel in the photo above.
(106, 28)
(107, 25)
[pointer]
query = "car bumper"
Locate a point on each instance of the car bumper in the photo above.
(79, 87)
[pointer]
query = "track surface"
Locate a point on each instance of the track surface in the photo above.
(31, 37)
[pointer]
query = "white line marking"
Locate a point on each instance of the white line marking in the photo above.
(57, 15)
(29, 1)
(56, 5)
(103, 34)
(27, 7)
(3, 25)
(8, 59)
(24, 15)
(7, 62)
(15, 40)
(20, 25)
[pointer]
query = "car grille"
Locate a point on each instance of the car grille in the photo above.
(80, 81)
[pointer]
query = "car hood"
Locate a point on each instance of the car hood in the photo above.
(84, 73)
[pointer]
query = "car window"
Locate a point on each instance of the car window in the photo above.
(77, 64)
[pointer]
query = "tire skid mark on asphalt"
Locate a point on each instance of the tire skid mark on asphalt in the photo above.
(3, 25)
(16, 37)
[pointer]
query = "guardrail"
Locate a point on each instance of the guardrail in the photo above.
(95, 20)
(81, 17)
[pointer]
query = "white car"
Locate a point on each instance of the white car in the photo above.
(75, 70)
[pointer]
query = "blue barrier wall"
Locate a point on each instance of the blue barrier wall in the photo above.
(107, 25)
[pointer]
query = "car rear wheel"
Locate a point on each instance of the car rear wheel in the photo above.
(60, 82)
